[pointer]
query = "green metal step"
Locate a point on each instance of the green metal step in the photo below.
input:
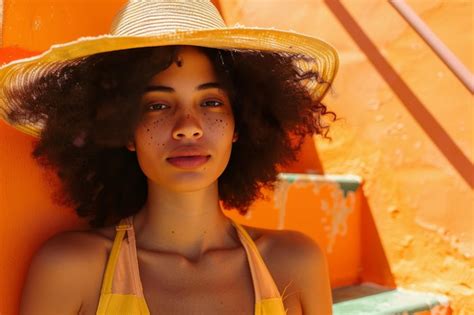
(371, 299)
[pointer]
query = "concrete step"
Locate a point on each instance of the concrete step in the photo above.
(372, 299)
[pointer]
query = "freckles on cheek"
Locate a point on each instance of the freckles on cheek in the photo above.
(151, 130)
(217, 125)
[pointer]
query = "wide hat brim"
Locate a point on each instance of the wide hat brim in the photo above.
(24, 71)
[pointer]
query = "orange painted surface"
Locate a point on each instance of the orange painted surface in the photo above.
(414, 226)
(36, 25)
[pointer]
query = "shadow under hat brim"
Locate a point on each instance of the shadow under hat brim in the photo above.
(22, 71)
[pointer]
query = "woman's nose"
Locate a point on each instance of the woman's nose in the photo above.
(187, 126)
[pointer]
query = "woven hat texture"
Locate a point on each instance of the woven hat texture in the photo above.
(146, 23)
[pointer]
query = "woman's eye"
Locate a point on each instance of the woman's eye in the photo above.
(214, 103)
(160, 106)
(156, 106)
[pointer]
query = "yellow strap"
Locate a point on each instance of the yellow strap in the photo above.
(113, 304)
(273, 306)
(112, 262)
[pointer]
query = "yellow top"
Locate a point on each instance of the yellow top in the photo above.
(122, 291)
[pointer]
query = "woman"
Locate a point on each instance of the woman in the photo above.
(147, 143)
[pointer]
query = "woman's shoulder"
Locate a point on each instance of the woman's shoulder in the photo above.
(282, 242)
(297, 265)
(297, 259)
(286, 248)
(74, 244)
(65, 267)
(76, 251)
(81, 251)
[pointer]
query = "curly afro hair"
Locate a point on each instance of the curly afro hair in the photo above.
(89, 109)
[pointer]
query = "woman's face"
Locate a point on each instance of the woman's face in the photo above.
(185, 113)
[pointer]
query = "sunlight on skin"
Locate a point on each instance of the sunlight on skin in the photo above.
(177, 113)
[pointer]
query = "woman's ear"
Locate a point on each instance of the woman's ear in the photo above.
(131, 145)
(236, 136)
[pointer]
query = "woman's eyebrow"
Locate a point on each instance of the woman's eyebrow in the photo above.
(163, 88)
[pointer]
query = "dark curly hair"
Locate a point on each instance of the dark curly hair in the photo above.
(89, 111)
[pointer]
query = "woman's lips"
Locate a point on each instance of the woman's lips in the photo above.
(188, 161)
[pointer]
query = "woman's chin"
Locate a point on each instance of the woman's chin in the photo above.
(187, 182)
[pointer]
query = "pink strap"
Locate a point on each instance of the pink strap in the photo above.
(127, 276)
(264, 285)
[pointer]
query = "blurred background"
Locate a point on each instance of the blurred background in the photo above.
(389, 199)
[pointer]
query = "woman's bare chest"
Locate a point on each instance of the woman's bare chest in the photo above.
(220, 284)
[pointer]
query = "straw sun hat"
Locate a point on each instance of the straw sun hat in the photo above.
(145, 23)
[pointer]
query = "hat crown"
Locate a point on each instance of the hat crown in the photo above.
(157, 17)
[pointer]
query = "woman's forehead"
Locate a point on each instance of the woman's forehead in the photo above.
(192, 66)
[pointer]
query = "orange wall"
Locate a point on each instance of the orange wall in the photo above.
(417, 219)
(35, 25)
(412, 144)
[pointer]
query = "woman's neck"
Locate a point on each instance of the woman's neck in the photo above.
(188, 224)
